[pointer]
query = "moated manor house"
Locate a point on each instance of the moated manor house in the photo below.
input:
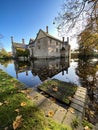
(43, 46)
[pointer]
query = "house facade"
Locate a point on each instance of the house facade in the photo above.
(19, 50)
(43, 46)
(47, 46)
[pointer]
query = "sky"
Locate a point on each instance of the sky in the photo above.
(24, 18)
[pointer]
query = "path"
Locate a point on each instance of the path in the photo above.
(59, 113)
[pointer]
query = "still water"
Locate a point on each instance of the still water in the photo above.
(80, 72)
(33, 73)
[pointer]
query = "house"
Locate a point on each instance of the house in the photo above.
(43, 46)
(47, 46)
(19, 50)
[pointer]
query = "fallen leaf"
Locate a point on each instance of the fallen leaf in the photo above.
(86, 128)
(55, 89)
(17, 123)
(23, 91)
(52, 99)
(50, 114)
(17, 110)
(23, 104)
(6, 102)
(29, 97)
(1, 103)
(71, 110)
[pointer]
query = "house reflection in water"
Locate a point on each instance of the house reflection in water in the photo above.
(42, 68)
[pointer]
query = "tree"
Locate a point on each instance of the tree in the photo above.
(3, 53)
(75, 12)
(88, 42)
(83, 16)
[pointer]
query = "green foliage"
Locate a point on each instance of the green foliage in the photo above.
(86, 123)
(22, 52)
(55, 126)
(87, 43)
(4, 54)
(75, 123)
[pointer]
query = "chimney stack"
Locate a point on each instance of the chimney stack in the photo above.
(63, 39)
(46, 29)
(12, 39)
(68, 40)
(23, 42)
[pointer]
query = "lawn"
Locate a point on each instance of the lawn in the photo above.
(60, 90)
(17, 111)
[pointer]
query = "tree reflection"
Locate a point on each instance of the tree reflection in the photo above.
(87, 70)
(5, 62)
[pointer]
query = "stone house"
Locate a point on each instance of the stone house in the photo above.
(46, 46)
(16, 47)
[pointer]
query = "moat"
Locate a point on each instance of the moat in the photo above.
(80, 72)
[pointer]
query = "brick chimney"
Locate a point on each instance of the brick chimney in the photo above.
(23, 41)
(12, 39)
(46, 29)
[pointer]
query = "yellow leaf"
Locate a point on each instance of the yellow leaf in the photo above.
(17, 123)
(23, 104)
(86, 128)
(55, 89)
(71, 110)
(17, 110)
(6, 102)
(1, 103)
(50, 113)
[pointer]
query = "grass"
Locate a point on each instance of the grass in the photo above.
(86, 123)
(18, 112)
(60, 90)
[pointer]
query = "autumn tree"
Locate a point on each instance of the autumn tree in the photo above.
(82, 16)
(88, 43)
(3, 53)
(75, 12)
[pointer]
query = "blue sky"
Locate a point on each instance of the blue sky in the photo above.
(24, 18)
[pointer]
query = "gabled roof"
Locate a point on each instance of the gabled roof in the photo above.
(19, 45)
(48, 35)
(31, 41)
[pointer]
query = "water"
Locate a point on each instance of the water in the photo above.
(80, 72)
(35, 72)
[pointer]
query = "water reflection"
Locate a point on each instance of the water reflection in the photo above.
(87, 70)
(42, 68)
(81, 72)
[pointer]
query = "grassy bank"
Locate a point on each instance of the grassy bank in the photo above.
(17, 110)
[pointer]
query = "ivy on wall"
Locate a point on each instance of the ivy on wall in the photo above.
(22, 52)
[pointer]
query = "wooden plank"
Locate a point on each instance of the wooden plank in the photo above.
(77, 107)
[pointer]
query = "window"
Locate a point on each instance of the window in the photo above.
(56, 43)
(50, 40)
(38, 41)
(38, 46)
(57, 50)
